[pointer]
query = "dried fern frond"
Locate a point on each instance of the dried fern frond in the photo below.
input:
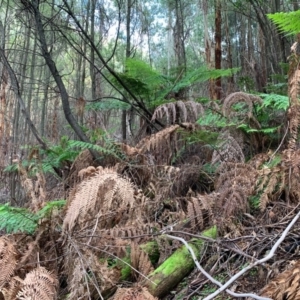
(239, 173)
(149, 143)
(100, 195)
(8, 260)
(284, 286)
(200, 211)
(232, 202)
(165, 144)
(235, 183)
(134, 293)
(139, 261)
(82, 161)
(179, 111)
(129, 231)
(271, 180)
(237, 97)
(39, 284)
(229, 150)
(12, 288)
(87, 277)
(35, 189)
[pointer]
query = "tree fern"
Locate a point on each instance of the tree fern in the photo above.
(16, 219)
(153, 88)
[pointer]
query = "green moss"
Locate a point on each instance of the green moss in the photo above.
(125, 272)
(151, 248)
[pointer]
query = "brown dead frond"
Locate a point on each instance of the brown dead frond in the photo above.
(134, 293)
(229, 150)
(237, 97)
(99, 198)
(35, 188)
(165, 144)
(178, 112)
(272, 182)
(132, 232)
(285, 286)
(235, 183)
(39, 284)
(200, 211)
(12, 288)
(231, 203)
(8, 260)
(258, 160)
(82, 161)
(87, 277)
(139, 261)
(161, 145)
(243, 174)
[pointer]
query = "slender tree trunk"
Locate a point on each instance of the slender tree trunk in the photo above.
(30, 87)
(179, 47)
(230, 80)
(208, 46)
(218, 50)
(92, 60)
(127, 55)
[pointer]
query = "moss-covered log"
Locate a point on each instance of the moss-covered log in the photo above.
(173, 270)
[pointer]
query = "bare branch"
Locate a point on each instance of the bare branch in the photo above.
(213, 280)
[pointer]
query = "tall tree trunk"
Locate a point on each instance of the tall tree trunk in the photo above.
(127, 55)
(208, 45)
(230, 80)
(179, 46)
(30, 87)
(218, 50)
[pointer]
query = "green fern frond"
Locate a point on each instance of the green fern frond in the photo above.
(201, 75)
(248, 129)
(212, 119)
(16, 219)
(274, 101)
(109, 149)
(48, 208)
(287, 22)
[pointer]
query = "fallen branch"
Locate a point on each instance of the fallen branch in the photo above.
(251, 265)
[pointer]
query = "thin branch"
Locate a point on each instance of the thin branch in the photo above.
(258, 262)
(207, 275)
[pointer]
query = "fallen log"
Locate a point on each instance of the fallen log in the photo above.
(173, 270)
